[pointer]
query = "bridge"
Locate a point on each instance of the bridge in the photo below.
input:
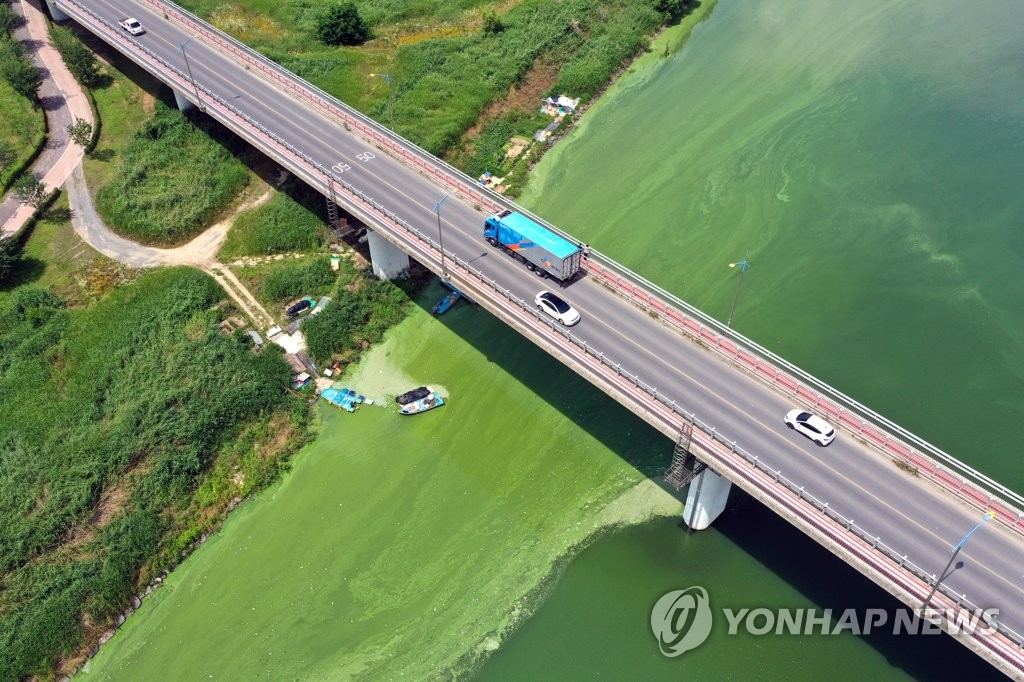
(885, 501)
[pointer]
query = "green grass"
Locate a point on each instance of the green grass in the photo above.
(123, 106)
(171, 180)
(446, 70)
(281, 225)
(110, 420)
(55, 258)
(277, 282)
(22, 129)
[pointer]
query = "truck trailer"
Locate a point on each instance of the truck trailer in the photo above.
(544, 252)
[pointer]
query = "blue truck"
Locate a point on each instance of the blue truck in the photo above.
(544, 252)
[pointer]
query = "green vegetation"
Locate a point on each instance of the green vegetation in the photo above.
(354, 319)
(451, 60)
(281, 225)
(340, 24)
(22, 126)
(117, 426)
(172, 179)
(17, 69)
(288, 280)
(52, 256)
(80, 60)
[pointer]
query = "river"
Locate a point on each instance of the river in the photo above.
(868, 159)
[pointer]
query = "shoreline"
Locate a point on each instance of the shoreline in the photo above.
(675, 37)
(655, 502)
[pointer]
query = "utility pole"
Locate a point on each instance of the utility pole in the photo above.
(956, 550)
(391, 110)
(199, 100)
(743, 265)
(440, 233)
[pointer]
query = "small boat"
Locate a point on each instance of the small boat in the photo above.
(445, 304)
(414, 395)
(344, 398)
(423, 404)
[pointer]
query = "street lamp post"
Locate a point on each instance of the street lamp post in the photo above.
(391, 110)
(188, 67)
(743, 265)
(956, 550)
(440, 233)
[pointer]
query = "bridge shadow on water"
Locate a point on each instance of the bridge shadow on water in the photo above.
(822, 578)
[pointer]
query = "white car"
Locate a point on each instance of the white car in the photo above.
(812, 426)
(555, 307)
(132, 25)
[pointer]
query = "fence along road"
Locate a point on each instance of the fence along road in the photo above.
(658, 356)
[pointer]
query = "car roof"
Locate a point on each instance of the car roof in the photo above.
(815, 421)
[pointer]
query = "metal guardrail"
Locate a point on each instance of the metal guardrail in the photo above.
(950, 473)
(725, 454)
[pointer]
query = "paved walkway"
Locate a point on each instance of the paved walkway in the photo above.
(62, 99)
(61, 162)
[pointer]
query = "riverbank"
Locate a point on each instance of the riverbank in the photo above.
(406, 546)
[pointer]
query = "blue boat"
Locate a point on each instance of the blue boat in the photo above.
(445, 304)
(423, 404)
(345, 398)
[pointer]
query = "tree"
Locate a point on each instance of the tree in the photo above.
(341, 24)
(22, 75)
(10, 250)
(8, 19)
(30, 191)
(81, 132)
(7, 155)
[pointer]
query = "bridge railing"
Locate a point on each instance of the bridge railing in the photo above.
(926, 460)
(724, 454)
(905, 447)
(721, 453)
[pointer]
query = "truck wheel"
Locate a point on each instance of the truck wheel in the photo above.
(529, 265)
(540, 273)
(492, 241)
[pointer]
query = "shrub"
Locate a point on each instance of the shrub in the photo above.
(80, 60)
(492, 24)
(289, 280)
(280, 225)
(171, 179)
(341, 24)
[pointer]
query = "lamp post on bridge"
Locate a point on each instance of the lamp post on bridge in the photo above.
(188, 67)
(956, 550)
(440, 233)
(743, 265)
(391, 110)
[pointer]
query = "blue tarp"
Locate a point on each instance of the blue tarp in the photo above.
(344, 398)
(540, 235)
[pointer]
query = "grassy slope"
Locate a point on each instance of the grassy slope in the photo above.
(446, 71)
(21, 128)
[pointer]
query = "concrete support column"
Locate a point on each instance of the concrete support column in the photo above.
(56, 12)
(184, 103)
(389, 261)
(706, 499)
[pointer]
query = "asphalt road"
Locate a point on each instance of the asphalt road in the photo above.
(904, 511)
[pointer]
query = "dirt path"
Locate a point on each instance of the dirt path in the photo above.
(63, 101)
(201, 252)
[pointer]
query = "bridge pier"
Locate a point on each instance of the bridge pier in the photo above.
(55, 12)
(389, 261)
(706, 499)
(184, 103)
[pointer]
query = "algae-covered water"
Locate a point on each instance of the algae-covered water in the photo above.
(868, 157)
(404, 546)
